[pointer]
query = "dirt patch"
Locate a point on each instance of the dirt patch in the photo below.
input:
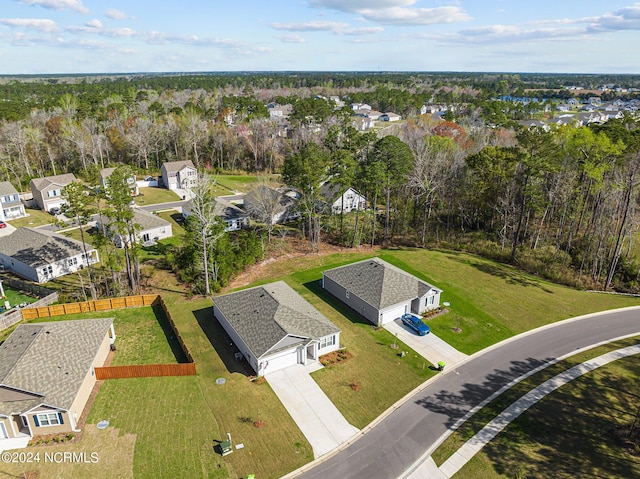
(292, 248)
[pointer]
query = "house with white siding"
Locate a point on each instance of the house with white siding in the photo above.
(273, 327)
(379, 291)
(40, 256)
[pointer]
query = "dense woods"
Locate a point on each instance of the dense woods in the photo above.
(560, 203)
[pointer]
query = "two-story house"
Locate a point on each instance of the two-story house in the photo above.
(47, 191)
(179, 175)
(105, 173)
(10, 205)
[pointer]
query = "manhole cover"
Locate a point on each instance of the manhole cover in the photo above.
(221, 381)
(103, 425)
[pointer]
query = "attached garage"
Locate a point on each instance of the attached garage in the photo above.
(394, 313)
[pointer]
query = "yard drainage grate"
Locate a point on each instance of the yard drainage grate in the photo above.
(221, 381)
(103, 425)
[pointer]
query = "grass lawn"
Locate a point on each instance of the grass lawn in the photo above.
(577, 431)
(491, 301)
(35, 218)
(76, 235)
(229, 184)
(153, 196)
(15, 297)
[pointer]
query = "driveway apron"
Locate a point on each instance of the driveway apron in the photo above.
(319, 420)
(430, 346)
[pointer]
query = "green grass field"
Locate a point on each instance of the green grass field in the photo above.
(153, 196)
(175, 422)
(15, 297)
(35, 218)
(580, 430)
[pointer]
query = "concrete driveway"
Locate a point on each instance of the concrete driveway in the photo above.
(319, 420)
(14, 443)
(7, 230)
(430, 346)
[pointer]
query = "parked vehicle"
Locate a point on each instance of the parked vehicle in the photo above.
(55, 211)
(3, 224)
(415, 323)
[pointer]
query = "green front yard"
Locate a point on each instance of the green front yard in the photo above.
(153, 196)
(175, 422)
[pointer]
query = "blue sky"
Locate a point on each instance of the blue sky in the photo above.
(83, 36)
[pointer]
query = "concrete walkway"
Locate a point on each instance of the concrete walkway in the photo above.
(463, 455)
(319, 420)
(14, 443)
(430, 346)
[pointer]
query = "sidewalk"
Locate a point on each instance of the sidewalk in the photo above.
(452, 465)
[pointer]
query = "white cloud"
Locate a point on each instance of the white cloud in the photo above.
(95, 23)
(92, 27)
(314, 26)
(416, 16)
(396, 12)
(290, 38)
(75, 5)
(116, 14)
(38, 24)
(356, 6)
(361, 31)
(626, 18)
(337, 28)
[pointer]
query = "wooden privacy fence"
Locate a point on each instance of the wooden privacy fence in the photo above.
(146, 371)
(87, 306)
(175, 330)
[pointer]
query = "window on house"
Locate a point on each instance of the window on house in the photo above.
(73, 261)
(53, 193)
(47, 270)
(48, 419)
(327, 341)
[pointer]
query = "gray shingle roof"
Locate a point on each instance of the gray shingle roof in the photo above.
(378, 283)
(172, 166)
(143, 218)
(265, 315)
(6, 188)
(62, 180)
(226, 210)
(50, 359)
(38, 247)
(106, 172)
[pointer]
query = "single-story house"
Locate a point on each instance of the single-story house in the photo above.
(105, 173)
(274, 327)
(40, 255)
(340, 199)
(47, 375)
(151, 228)
(235, 218)
(178, 175)
(389, 116)
(380, 291)
(11, 206)
(47, 191)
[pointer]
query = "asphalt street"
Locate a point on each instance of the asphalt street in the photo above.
(395, 443)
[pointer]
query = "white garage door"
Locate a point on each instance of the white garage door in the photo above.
(394, 313)
(275, 363)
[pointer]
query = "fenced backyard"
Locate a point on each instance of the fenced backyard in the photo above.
(187, 368)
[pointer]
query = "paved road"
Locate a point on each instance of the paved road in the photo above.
(395, 443)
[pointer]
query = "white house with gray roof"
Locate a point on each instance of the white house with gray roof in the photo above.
(47, 375)
(47, 191)
(11, 206)
(178, 175)
(274, 327)
(380, 291)
(40, 255)
(150, 228)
